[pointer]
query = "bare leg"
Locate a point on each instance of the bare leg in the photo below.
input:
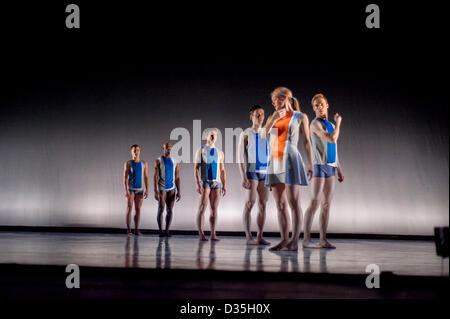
(249, 202)
(138, 199)
(214, 198)
(159, 215)
(317, 187)
(170, 201)
(279, 194)
(328, 192)
(201, 213)
(293, 197)
(263, 196)
(130, 200)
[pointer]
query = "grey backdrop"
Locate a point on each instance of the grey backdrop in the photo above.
(62, 148)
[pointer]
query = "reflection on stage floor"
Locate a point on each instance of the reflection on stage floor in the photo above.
(402, 257)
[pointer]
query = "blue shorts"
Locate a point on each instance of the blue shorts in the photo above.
(255, 176)
(324, 171)
(211, 185)
(136, 192)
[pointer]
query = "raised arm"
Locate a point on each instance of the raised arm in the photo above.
(223, 175)
(272, 120)
(306, 140)
(317, 129)
(177, 181)
(125, 180)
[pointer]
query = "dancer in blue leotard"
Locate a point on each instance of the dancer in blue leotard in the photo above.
(253, 165)
(324, 137)
(166, 186)
(210, 177)
(135, 175)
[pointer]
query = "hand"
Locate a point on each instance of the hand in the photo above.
(337, 118)
(279, 114)
(178, 197)
(340, 176)
(246, 183)
(127, 193)
(310, 173)
(199, 189)
(146, 193)
(157, 195)
(224, 191)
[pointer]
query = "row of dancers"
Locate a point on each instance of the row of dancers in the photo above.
(269, 160)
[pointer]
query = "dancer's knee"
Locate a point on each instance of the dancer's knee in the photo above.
(249, 204)
(326, 205)
(281, 206)
(262, 205)
(294, 204)
(314, 205)
(201, 209)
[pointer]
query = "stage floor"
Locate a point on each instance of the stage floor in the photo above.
(401, 257)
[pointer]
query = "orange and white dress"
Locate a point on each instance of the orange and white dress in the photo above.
(285, 164)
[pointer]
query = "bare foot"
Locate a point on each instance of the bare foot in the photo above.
(310, 244)
(326, 244)
(203, 238)
(214, 238)
(129, 233)
(251, 242)
(292, 245)
(137, 232)
(279, 246)
(262, 241)
(168, 233)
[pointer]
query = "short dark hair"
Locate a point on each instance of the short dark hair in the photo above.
(134, 145)
(255, 107)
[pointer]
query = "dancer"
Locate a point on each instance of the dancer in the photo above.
(210, 176)
(135, 174)
(324, 136)
(285, 170)
(167, 187)
(253, 163)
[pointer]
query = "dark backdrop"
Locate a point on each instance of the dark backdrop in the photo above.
(73, 102)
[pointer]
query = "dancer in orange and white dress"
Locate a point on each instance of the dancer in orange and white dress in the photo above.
(286, 171)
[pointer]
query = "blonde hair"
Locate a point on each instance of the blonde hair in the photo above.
(211, 129)
(318, 96)
(286, 92)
